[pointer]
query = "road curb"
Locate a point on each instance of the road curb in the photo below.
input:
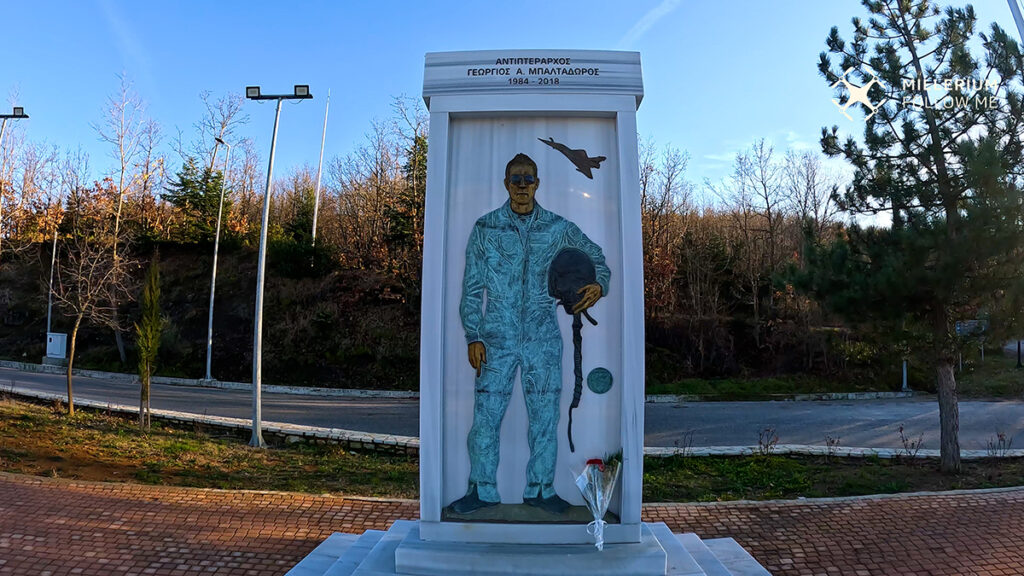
(290, 433)
(819, 397)
(841, 499)
(284, 432)
(203, 383)
(412, 395)
(837, 452)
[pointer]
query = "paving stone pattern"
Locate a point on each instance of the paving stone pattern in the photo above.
(51, 527)
(970, 533)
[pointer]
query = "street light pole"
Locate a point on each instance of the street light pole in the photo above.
(18, 113)
(216, 247)
(253, 93)
(3, 127)
(319, 168)
(1015, 8)
(53, 262)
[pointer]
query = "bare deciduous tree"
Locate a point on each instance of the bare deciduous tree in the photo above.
(664, 197)
(811, 189)
(122, 128)
(367, 182)
(89, 279)
(220, 120)
(151, 169)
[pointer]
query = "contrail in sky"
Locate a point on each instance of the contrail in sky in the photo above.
(650, 19)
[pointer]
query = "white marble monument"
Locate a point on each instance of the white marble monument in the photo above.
(496, 469)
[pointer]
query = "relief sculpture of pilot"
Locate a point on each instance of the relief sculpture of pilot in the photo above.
(507, 259)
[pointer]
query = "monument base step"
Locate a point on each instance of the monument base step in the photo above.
(401, 551)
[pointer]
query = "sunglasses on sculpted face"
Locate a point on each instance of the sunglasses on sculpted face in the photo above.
(521, 179)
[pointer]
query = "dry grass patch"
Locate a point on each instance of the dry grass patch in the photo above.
(108, 447)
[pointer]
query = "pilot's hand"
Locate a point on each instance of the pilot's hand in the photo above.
(477, 356)
(591, 294)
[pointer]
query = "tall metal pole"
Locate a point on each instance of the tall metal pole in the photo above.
(49, 297)
(19, 112)
(301, 92)
(216, 247)
(319, 168)
(3, 126)
(257, 344)
(1015, 8)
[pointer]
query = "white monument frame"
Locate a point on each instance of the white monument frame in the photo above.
(614, 94)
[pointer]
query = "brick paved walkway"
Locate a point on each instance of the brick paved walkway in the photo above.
(55, 527)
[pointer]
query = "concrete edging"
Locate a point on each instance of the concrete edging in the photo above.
(288, 432)
(823, 396)
(810, 450)
(411, 444)
(412, 395)
(844, 499)
(203, 383)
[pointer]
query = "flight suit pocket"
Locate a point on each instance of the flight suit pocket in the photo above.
(540, 239)
(508, 243)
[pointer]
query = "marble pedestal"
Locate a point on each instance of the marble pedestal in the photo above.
(401, 551)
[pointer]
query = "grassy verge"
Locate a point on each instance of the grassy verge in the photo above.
(756, 388)
(995, 377)
(105, 447)
(110, 448)
(781, 477)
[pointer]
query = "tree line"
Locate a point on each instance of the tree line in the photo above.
(763, 272)
(714, 252)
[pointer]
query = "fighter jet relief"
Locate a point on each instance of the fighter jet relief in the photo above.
(584, 163)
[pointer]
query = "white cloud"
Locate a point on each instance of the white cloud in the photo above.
(647, 22)
(129, 43)
(724, 157)
(794, 142)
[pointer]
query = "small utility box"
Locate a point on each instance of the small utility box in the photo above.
(56, 345)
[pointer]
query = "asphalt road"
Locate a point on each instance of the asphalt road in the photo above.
(862, 423)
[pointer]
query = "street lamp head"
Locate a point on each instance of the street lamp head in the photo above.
(19, 111)
(252, 92)
(302, 91)
(221, 142)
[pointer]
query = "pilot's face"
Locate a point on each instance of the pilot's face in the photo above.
(522, 183)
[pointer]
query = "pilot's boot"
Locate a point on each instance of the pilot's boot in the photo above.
(552, 504)
(470, 503)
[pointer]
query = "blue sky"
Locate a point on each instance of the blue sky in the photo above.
(717, 75)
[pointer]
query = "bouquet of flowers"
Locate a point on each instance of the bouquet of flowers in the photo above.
(597, 483)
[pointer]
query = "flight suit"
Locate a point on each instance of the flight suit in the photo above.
(507, 257)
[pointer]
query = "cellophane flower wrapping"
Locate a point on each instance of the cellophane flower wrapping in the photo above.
(597, 483)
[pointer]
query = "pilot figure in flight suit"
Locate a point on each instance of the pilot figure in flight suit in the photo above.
(507, 258)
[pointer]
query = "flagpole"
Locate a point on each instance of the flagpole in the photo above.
(319, 168)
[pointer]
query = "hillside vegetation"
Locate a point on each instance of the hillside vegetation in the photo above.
(348, 328)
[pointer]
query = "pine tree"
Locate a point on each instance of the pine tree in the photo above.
(196, 194)
(945, 164)
(148, 331)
